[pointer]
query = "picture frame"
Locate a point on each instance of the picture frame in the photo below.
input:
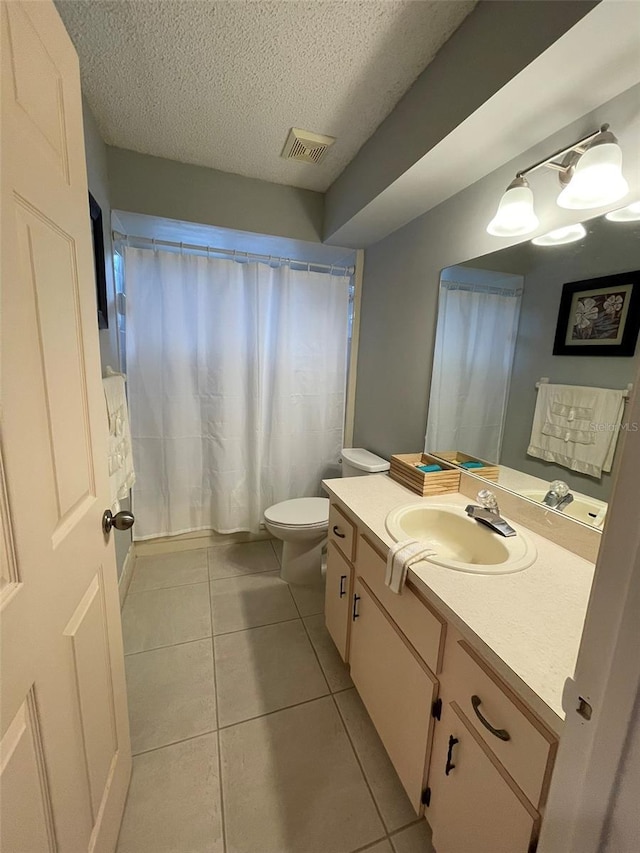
(599, 316)
(97, 233)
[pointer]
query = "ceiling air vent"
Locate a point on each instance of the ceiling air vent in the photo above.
(305, 146)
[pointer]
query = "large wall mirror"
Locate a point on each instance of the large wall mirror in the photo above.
(499, 394)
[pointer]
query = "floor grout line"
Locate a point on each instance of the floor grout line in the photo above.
(359, 762)
(273, 548)
(221, 634)
(168, 646)
(324, 675)
(215, 698)
(209, 580)
(223, 826)
(407, 826)
(343, 689)
(344, 726)
(244, 574)
(255, 627)
(275, 711)
(371, 845)
(160, 588)
(173, 743)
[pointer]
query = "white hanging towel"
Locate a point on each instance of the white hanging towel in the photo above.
(401, 557)
(577, 427)
(121, 473)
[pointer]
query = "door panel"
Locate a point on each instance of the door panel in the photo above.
(9, 574)
(27, 822)
(338, 599)
(37, 84)
(66, 756)
(49, 268)
(87, 632)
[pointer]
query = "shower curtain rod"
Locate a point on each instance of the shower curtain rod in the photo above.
(236, 254)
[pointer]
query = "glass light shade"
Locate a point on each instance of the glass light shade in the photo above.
(597, 180)
(560, 236)
(630, 213)
(515, 214)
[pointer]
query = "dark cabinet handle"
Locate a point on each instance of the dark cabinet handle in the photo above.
(337, 533)
(503, 734)
(450, 765)
(356, 599)
(343, 591)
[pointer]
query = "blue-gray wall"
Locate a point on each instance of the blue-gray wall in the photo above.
(96, 156)
(154, 186)
(402, 274)
(491, 46)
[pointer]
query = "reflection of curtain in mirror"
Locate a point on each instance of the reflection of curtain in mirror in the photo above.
(475, 342)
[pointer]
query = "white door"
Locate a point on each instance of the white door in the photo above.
(65, 757)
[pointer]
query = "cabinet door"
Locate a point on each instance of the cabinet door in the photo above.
(396, 687)
(337, 603)
(474, 804)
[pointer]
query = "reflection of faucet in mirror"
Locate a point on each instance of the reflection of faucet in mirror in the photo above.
(488, 513)
(558, 497)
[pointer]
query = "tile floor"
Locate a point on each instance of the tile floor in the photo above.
(247, 733)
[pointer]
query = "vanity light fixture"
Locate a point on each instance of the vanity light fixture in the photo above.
(515, 214)
(630, 213)
(589, 170)
(597, 179)
(561, 236)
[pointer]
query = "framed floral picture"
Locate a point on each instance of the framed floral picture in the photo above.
(599, 316)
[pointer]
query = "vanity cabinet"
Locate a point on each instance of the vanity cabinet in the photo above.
(396, 688)
(462, 741)
(474, 804)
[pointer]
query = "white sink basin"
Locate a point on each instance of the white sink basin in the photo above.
(582, 508)
(460, 542)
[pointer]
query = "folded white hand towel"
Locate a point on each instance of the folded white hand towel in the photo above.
(121, 473)
(401, 556)
(577, 427)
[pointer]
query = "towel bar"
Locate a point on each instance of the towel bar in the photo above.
(544, 380)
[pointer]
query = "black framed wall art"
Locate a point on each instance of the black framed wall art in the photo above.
(97, 233)
(599, 316)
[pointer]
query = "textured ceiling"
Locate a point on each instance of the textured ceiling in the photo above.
(219, 84)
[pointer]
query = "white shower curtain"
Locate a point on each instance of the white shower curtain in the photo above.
(475, 344)
(236, 375)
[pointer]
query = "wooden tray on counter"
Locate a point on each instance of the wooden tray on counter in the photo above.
(403, 470)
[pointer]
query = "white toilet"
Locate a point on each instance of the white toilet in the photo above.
(302, 523)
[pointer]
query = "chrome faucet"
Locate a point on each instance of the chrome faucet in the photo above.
(488, 513)
(558, 497)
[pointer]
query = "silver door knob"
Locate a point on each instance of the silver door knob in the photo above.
(122, 520)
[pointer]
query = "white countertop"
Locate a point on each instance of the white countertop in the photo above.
(530, 622)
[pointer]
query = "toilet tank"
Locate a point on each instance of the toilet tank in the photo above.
(356, 462)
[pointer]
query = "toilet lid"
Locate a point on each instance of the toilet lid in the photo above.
(299, 512)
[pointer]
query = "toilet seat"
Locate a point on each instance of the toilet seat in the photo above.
(310, 513)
